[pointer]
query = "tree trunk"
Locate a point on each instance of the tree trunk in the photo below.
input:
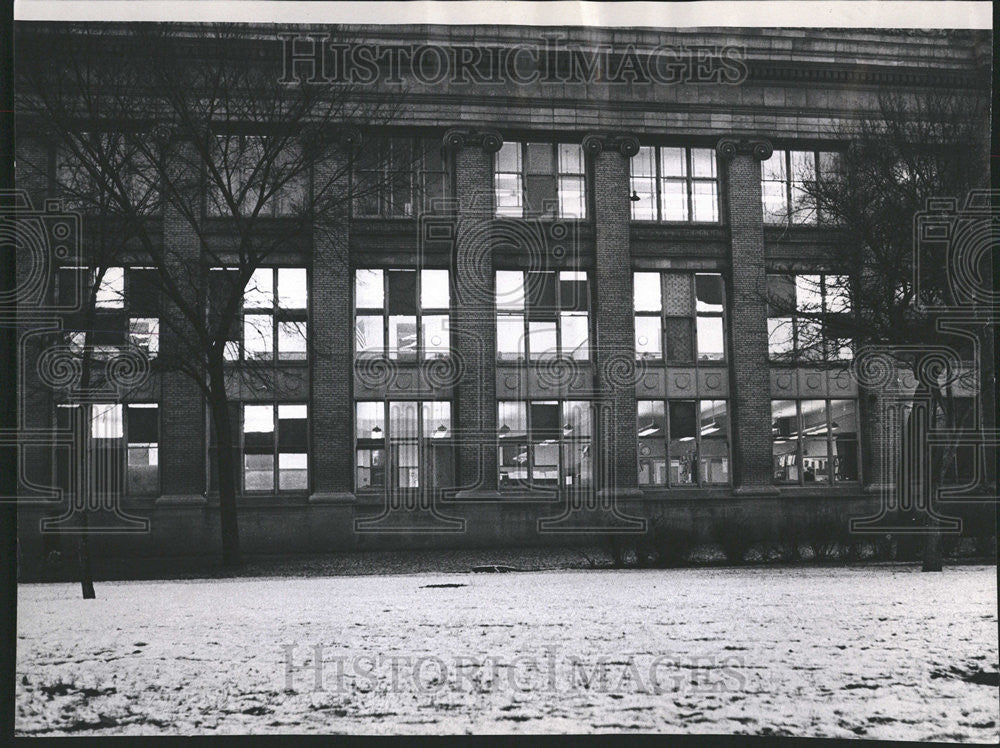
(226, 468)
(83, 555)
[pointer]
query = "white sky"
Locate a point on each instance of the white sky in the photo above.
(929, 14)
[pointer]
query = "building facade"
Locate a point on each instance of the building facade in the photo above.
(547, 321)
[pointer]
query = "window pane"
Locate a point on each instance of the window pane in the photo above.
(509, 157)
(682, 419)
(434, 328)
(576, 465)
(291, 341)
(774, 199)
(510, 289)
(703, 162)
(508, 195)
(574, 291)
(815, 458)
(650, 419)
(434, 289)
(541, 339)
(651, 426)
(844, 428)
(144, 334)
(369, 335)
(111, 291)
(258, 472)
(838, 298)
(437, 419)
(258, 336)
(545, 471)
(683, 446)
(401, 292)
(258, 427)
(143, 473)
(293, 474)
(803, 165)
(571, 197)
(644, 209)
(513, 464)
(708, 292)
(714, 459)
(540, 195)
(642, 163)
(648, 337)
(774, 168)
(293, 289)
(673, 200)
(808, 293)
(293, 431)
(705, 202)
(713, 418)
(512, 419)
(779, 337)
(540, 159)
(570, 158)
(541, 289)
(407, 465)
(510, 337)
(784, 440)
(403, 420)
(106, 421)
(259, 291)
(673, 162)
(575, 336)
(780, 295)
(142, 294)
(368, 289)
(370, 468)
(646, 291)
(544, 419)
(370, 420)
(403, 338)
(143, 424)
(711, 345)
(576, 419)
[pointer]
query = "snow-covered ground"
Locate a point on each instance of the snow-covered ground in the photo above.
(882, 652)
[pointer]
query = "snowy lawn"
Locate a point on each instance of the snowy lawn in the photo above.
(881, 652)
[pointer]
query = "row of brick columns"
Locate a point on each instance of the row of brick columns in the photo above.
(183, 417)
(614, 330)
(474, 331)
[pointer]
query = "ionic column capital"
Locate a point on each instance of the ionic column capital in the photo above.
(759, 148)
(627, 145)
(459, 137)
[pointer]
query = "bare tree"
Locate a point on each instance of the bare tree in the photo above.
(223, 143)
(913, 149)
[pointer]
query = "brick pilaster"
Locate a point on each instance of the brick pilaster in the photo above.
(182, 407)
(751, 400)
(331, 334)
(614, 323)
(473, 312)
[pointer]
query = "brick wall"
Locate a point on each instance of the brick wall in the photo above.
(747, 312)
(473, 320)
(331, 345)
(614, 323)
(182, 409)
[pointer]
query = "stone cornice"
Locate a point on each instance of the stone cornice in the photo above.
(458, 137)
(759, 148)
(627, 145)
